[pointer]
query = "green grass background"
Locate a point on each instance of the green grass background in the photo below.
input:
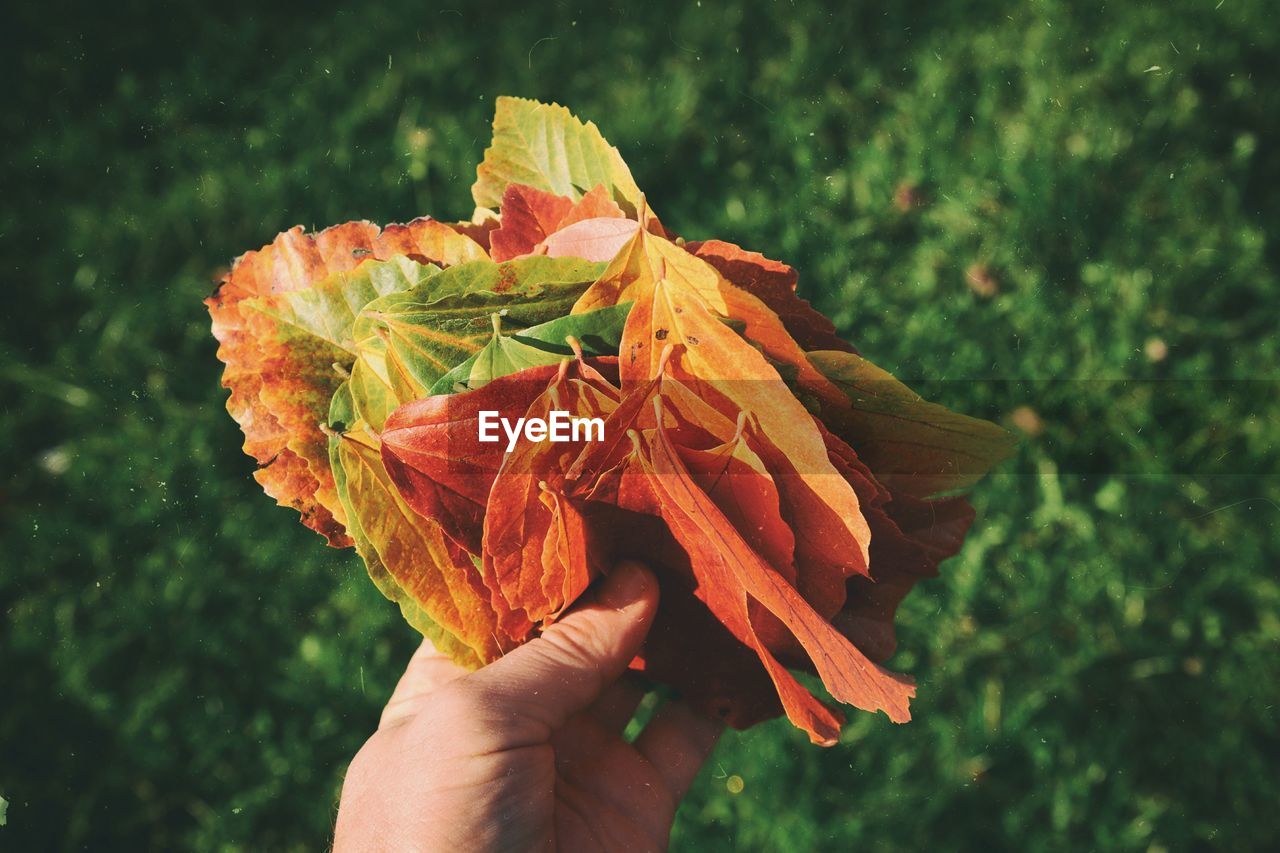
(182, 665)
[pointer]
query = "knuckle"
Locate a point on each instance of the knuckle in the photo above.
(576, 644)
(453, 703)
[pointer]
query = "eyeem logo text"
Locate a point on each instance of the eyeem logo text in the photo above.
(560, 426)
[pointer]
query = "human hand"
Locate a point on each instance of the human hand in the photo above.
(527, 753)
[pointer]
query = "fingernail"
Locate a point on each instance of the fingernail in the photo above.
(624, 585)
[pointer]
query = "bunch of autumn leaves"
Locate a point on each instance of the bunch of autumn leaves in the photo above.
(782, 487)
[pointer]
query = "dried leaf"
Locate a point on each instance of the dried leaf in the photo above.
(730, 575)
(675, 295)
(596, 204)
(529, 216)
(343, 419)
(649, 259)
(732, 569)
(430, 241)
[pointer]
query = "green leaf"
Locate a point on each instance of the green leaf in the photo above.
(376, 395)
(598, 332)
(501, 356)
(380, 383)
(427, 331)
(513, 276)
(342, 413)
(545, 146)
(328, 310)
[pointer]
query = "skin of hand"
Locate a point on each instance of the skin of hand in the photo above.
(527, 753)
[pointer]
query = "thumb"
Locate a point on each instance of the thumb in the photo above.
(560, 673)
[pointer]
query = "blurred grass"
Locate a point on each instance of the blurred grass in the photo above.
(183, 666)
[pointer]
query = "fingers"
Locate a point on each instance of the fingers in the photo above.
(565, 670)
(617, 705)
(676, 742)
(427, 670)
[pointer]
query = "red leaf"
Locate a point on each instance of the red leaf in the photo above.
(528, 216)
(534, 220)
(432, 451)
(909, 538)
(733, 377)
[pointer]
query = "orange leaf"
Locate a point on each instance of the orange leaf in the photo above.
(675, 295)
(534, 220)
(280, 392)
(730, 575)
(774, 284)
(595, 204)
(821, 533)
(294, 261)
(649, 259)
(736, 480)
(729, 570)
(428, 240)
(536, 553)
(479, 229)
